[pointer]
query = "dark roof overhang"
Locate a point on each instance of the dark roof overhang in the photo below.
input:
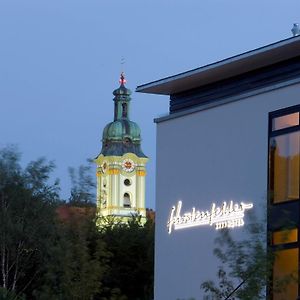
(230, 67)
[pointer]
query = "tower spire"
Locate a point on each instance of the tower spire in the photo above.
(121, 164)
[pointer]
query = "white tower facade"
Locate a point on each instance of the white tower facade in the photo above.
(121, 164)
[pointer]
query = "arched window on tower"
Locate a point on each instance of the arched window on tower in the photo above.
(126, 200)
(124, 110)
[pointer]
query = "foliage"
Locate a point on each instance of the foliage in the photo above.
(8, 295)
(243, 261)
(131, 265)
(83, 185)
(27, 208)
(79, 256)
(50, 250)
(78, 261)
(246, 265)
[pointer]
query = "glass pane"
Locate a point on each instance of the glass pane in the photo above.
(285, 236)
(285, 121)
(284, 167)
(285, 275)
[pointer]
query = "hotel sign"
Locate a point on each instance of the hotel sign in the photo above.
(228, 215)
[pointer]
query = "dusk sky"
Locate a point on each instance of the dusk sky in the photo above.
(60, 60)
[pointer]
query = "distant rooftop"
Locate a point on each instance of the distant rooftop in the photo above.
(230, 67)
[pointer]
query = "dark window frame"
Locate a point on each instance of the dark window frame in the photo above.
(281, 206)
(279, 132)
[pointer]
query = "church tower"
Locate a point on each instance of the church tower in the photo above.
(121, 164)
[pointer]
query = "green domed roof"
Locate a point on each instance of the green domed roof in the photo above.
(122, 135)
(120, 129)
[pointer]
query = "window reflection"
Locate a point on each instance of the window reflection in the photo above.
(285, 275)
(285, 121)
(285, 236)
(284, 168)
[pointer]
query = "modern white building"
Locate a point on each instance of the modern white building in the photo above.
(232, 135)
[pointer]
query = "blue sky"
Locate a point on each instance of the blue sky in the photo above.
(60, 60)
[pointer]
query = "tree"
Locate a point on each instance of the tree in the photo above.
(9, 295)
(27, 204)
(130, 272)
(246, 266)
(50, 250)
(83, 185)
(79, 259)
(242, 262)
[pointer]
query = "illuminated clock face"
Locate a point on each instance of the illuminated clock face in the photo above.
(128, 165)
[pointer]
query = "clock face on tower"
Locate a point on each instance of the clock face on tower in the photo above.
(128, 165)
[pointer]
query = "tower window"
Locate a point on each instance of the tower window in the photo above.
(126, 200)
(127, 182)
(127, 141)
(116, 111)
(124, 110)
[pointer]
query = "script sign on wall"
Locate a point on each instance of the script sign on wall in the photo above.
(227, 215)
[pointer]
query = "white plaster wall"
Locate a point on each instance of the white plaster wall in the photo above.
(209, 156)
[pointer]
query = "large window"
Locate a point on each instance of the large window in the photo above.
(284, 149)
(286, 270)
(284, 209)
(284, 154)
(285, 236)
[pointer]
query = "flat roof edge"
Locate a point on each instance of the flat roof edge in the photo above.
(157, 86)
